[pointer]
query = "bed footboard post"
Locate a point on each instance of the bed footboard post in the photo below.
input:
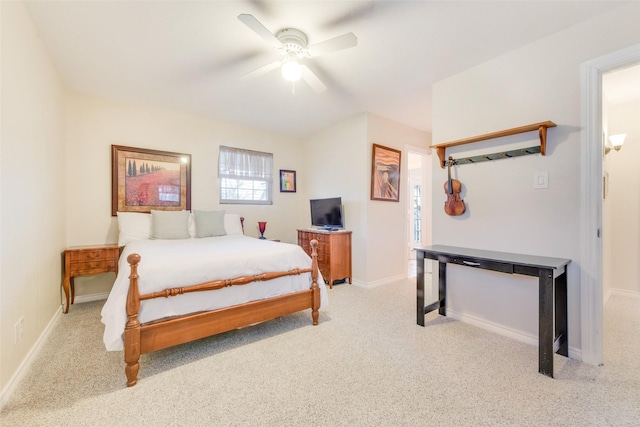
(315, 289)
(132, 330)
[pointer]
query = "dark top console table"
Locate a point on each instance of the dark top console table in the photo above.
(552, 279)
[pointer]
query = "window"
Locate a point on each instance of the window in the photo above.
(246, 177)
(417, 213)
(169, 193)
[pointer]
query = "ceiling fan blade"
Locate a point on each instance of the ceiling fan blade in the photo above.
(312, 80)
(361, 11)
(257, 27)
(260, 71)
(344, 41)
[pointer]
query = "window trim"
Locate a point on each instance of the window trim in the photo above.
(261, 171)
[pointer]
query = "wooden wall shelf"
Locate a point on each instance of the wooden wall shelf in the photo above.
(540, 127)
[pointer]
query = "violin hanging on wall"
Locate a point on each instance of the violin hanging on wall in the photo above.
(454, 205)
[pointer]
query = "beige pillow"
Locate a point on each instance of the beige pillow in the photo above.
(170, 225)
(209, 223)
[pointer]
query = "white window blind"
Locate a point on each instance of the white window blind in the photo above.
(246, 177)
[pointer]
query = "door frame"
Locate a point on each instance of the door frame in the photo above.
(426, 198)
(591, 286)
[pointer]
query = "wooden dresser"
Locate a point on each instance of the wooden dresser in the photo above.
(87, 260)
(334, 252)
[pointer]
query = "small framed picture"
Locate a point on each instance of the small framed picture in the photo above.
(287, 181)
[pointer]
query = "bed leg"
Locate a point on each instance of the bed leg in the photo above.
(315, 289)
(132, 373)
(132, 330)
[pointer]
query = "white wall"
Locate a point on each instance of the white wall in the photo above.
(624, 196)
(336, 164)
(387, 226)
(32, 189)
(535, 83)
(340, 158)
(94, 124)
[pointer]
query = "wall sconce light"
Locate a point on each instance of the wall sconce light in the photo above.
(616, 142)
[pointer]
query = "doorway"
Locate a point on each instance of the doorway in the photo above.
(621, 195)
(621, 179)
(591, 274)
(418, 204)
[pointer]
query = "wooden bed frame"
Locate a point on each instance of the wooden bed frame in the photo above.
(140, 338)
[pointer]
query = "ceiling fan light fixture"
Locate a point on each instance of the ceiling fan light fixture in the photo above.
(291, 43)
(291, 70)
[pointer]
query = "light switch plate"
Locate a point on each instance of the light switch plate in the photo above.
(541, 180)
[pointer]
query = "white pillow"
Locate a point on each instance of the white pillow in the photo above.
(133, 226)
(170, 225)
(232, 224)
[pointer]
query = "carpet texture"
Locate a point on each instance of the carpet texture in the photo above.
(366, 364)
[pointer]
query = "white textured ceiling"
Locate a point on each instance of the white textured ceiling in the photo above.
(189, 55)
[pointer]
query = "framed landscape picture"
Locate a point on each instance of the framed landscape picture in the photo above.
(385, 174)
(143, 179)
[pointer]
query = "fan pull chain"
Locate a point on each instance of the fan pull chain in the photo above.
(293, 88)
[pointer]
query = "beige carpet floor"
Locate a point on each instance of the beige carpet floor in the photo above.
(366, 364)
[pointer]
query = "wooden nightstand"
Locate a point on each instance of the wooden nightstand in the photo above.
(87, 260)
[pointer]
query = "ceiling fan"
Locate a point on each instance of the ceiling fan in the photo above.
(291, 43)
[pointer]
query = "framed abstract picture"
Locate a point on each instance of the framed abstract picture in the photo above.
(143, 179)
(287, 181)
(385, 174)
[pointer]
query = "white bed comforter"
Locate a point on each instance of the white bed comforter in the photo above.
(176, 263)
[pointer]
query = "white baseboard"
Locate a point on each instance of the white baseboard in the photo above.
(624, 293)
(620, 292)
(381, 282)
(91, 297)
(44, 336)
(574, 353)
(28, 360)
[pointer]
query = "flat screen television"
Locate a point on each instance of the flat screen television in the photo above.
(327, 213)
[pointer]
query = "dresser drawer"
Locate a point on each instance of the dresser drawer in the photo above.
(322, 248)
(323, 258)
(90, 255)
(483, 264)
(91, 267)
(321, 238)
(305, 245)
